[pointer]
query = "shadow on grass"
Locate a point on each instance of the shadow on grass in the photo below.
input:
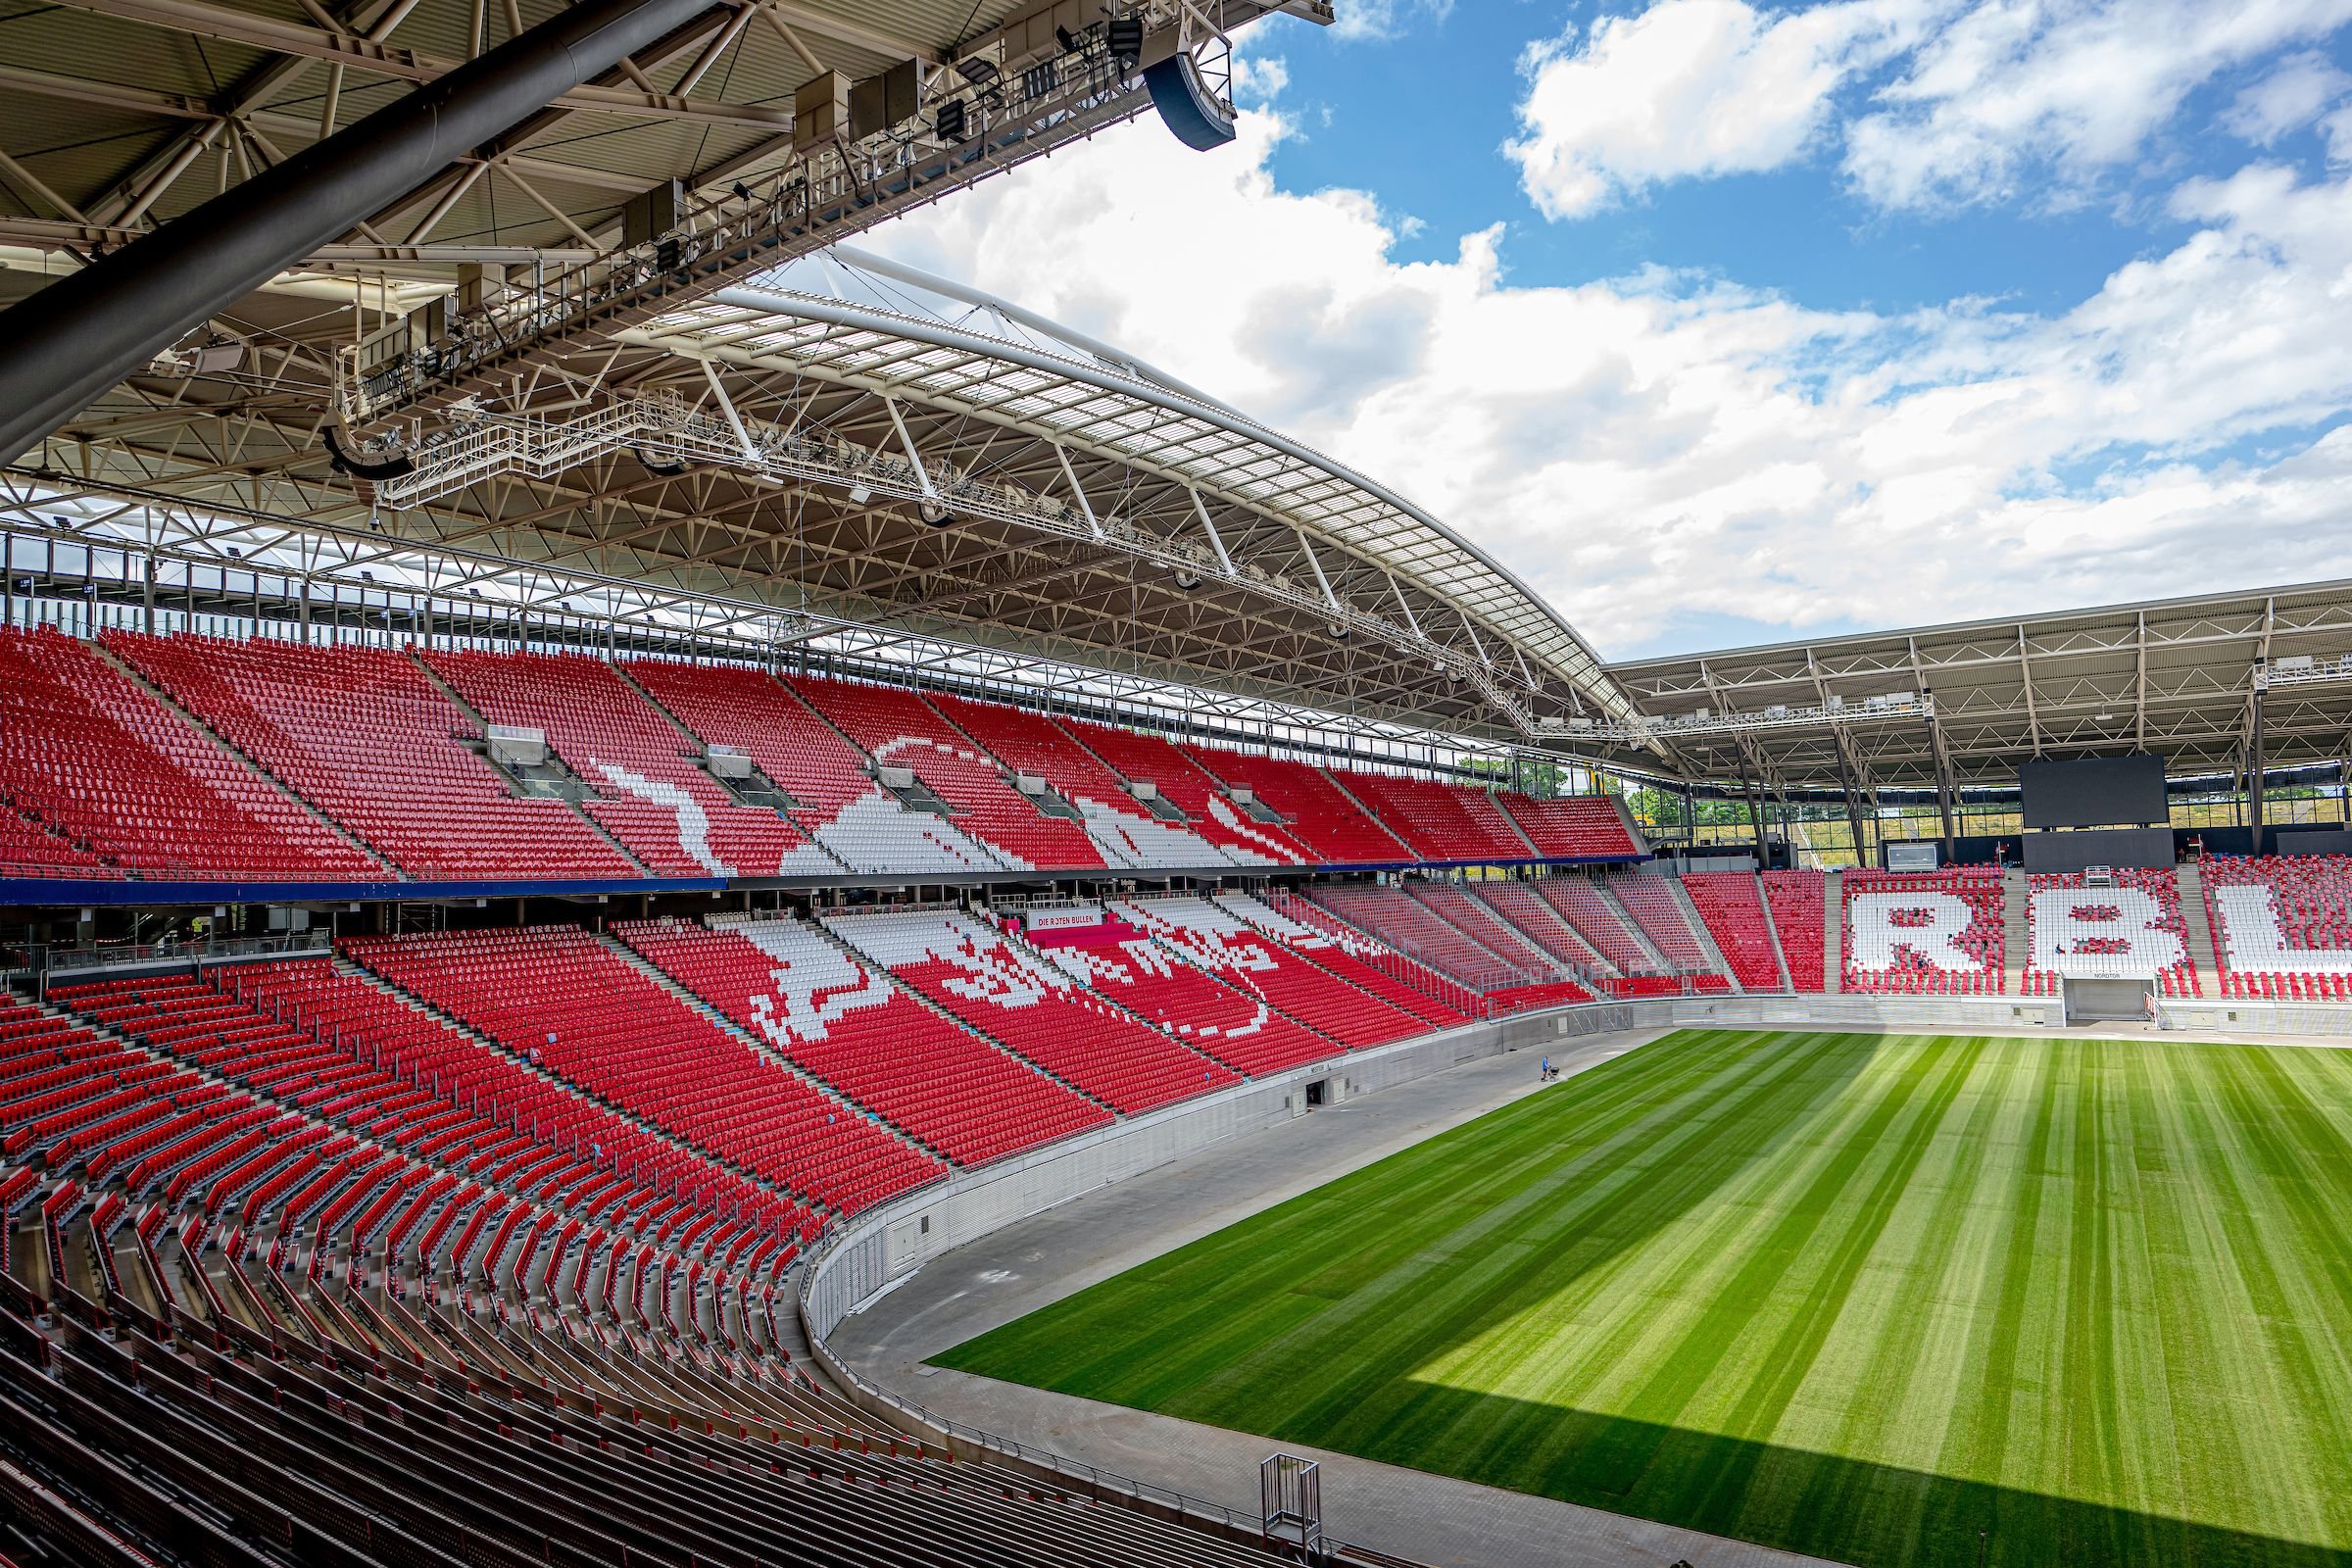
(1821, 1504)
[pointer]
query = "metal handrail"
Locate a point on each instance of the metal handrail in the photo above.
(52, 960)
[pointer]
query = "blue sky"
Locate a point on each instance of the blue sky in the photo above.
(1725, 321)
(1416, 114)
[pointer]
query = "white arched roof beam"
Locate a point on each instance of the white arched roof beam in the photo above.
(1201, 446)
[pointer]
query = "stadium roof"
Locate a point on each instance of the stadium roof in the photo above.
(1154, 532)
(2173, 676)
(1150, 529)
(118, 114)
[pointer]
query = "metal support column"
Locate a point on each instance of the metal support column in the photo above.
(2254, 763)
(1851, 786)
(1755, 812)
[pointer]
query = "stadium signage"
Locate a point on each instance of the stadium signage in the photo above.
(2091, 932)
(1060, 920)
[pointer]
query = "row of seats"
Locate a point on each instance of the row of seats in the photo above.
(1396, 920)
(835, 799)
(1315, 811)
(364, 735)
(1527, 999)
(98, 778)
(2277, 918)
(275, 1422)
(1222, 939)
(897, 728)
(1594, 916)
(1179, 988)
(1578, 827)
(128, 785)
(32, 846)
(1317, 935)
(1925, 933)
(867, 1037)
(557, 997)
(1650, 901)
(1208, 807)
(1125, 832)
(650, 793)
(436, 1142)
(362, 1020)
(1479, 921)
(1008, 991)
(1441, 823)
(1519, 904)
(1732, 904)
(2129, 930)
(1798, 914)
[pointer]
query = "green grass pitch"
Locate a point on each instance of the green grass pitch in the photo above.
(1863, 1297)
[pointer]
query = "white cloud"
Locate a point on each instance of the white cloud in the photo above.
(1658, 450)
(1383, 18)
(2337, 130)
(2293, 95)
(1260, 79)
(1931, 103)
(1690, 88)
(2014, 89)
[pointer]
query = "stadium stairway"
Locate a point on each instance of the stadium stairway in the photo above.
(481, 726)
(114, 662)
(1633, 927)
(1779, 954)
(727, 1026)
(1706, 937)
(2197, 913)
(2017, 940)
(1833, 933)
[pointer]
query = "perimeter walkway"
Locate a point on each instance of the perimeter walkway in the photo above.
(1433, 1519)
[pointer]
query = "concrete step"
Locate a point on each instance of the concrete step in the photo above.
(2198, 919)
(2016, 930)
(1833, 933)
(1779, 955)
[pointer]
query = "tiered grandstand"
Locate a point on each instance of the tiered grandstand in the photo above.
(352, 762)
(581, 802)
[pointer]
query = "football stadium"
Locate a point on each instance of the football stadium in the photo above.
(682, 884)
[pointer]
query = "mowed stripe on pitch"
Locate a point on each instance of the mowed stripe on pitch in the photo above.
(1888, 1300)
